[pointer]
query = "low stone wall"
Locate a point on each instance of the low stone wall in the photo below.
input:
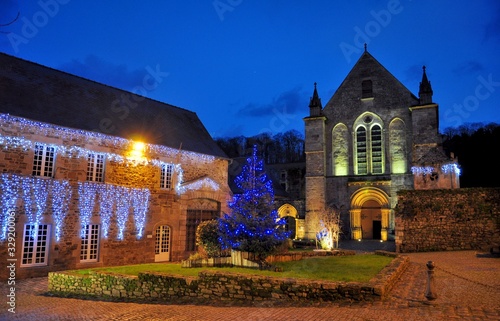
(221, 286)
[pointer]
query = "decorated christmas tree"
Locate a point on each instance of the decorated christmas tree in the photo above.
(253, 225)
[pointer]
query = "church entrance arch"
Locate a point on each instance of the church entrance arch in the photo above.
(289, 213)
(369, 214)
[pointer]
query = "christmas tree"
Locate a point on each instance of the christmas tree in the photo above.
(253, 225)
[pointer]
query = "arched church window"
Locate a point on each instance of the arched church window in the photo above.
(369, 158)
(361, 151)
(376, 150)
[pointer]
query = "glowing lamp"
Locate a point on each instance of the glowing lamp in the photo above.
(137, 151)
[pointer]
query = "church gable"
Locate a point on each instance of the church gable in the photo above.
(368, 86)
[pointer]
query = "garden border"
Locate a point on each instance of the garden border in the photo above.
(219, 286)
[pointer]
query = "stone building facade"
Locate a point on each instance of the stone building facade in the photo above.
(91, 175)
(372, 139)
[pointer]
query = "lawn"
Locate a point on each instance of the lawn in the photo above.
(356, 268)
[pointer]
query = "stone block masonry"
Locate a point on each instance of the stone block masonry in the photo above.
(448, 220)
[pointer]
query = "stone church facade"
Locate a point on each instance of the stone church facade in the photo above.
(372, 139)
(91, 175)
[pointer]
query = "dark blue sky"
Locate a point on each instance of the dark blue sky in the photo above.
(247, 67)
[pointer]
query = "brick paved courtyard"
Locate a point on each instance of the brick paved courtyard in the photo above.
(467, 285)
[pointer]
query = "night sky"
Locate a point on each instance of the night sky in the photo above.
(247, 67)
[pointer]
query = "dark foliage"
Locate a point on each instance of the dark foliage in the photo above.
(282, 148)
(476, 146)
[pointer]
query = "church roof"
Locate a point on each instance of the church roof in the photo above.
(368, 68)
(435, 155)
(40, 93)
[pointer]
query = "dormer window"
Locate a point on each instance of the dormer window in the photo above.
(166, 176)
(366, 89)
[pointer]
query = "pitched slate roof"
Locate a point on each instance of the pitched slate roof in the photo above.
(367, 67)
(435, 155)
(36, 92)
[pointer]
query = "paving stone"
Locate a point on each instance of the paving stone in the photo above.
(467, 285)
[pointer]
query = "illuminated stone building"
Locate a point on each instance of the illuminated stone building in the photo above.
(372, 139)
(91, 175)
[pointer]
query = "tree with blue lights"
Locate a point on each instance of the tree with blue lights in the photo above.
(253, 225)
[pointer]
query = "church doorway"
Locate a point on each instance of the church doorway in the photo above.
(371, 224)
(289, 213)
(369, 214)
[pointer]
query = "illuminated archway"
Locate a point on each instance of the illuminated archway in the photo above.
(370, 196)
(289, 213)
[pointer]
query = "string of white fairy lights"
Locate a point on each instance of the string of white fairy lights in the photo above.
(111, 142)
(113, 196)
(428, 170)
(61, 196)
(35, 194)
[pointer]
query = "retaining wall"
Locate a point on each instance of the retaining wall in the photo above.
(448, 220)
(219, 286)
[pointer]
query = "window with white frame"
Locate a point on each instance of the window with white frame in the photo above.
(35, 244)
(166, 176)
(90, 244)
(95, 167)
(43, 160)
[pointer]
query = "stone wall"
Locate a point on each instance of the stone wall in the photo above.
(219, 286)
(446, 220)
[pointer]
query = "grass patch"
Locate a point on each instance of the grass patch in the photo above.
(355, 268)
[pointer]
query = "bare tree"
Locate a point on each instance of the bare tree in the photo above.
(327, 223)
(282, 148)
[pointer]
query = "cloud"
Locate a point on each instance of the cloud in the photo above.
(233, 130)
(291, 101)
(468, 67)
(281, 114)
(105, 72)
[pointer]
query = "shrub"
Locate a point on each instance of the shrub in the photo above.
(207, 239)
